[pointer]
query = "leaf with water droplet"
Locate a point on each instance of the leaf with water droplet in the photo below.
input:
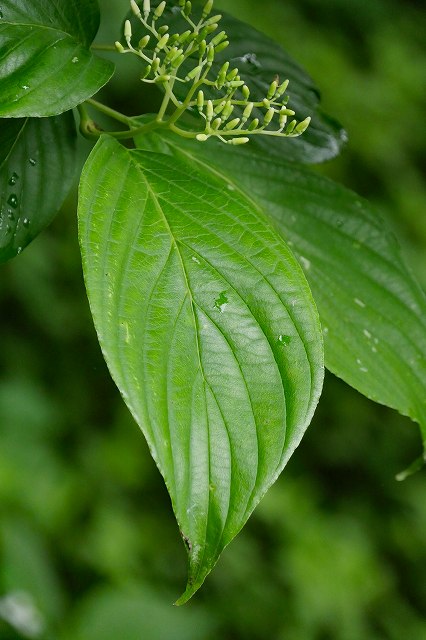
(221, 403)
(36, 45)
(30, 206)
(356, 272)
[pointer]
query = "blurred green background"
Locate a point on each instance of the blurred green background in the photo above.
(336, 550)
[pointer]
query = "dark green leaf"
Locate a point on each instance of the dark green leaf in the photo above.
(37, 166)
(47, 65)
(209, 330)
(259, 60)
(372, 309)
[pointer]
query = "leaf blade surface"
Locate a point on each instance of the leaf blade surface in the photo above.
(208, 328)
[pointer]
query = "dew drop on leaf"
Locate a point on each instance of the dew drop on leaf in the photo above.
(32, 162)
(26, 222)
(283, 340)
(13, 179)
(13, 200)
(306, 264)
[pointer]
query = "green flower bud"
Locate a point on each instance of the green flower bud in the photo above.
(291, 127)
(119, 47)
(282, 88)
(219, 108)
(245, 91)
(155, 65)
(187, 8)
(221, 76)
(143, 42)
(247, 111)
(159, 10)
(272, 90)
(302, 126)
(227, 110)
(209, 110)
(210, 54)
(178, 60)
(237, 141)
(202, 49)
(207, 8)
(218, 38)
(216, 123)
(193, 73)
(213, 20)
(163, 29)
(253, 124)
(146, 8)
(235, 83)
(220, 47)
(162, 42)
(162, 79)
(268, 116)
(184, 36)
(201, 137)
(232, 74)
(127, 30)
(200, 101)
(146, 72)
(266, 103)
(232, 124)
(135, 9)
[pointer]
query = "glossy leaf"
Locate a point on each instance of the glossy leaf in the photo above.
(372, 310)
(209, 330)
(37, 168)
(47, 65)
(259, 60)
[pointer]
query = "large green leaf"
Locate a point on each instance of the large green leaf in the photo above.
(259, 60)
(372, 310)
(209, 330)
(37, 168)
(47, 66)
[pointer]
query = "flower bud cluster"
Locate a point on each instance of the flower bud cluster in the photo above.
(232, 116)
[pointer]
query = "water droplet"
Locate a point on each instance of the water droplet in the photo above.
(359, 302)
(26, 222)
(325, 330)
(361, 368)
(284, 340)
(13, 179)
(10, 214)
(339, 223)
(306, 264)
(18, 250)
(32, 162)
(8, 228)
(195, 259)
(13, 200)
(25, 87)
(1, 14)
(231, 187)
(74, 60)
(367, 333)
(221, 302)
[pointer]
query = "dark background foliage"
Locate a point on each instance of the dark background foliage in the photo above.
(88, 543)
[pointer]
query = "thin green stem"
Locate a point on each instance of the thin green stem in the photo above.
(112, 113)
(103, 47)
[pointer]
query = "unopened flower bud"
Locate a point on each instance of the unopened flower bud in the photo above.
(218, 38)
(253, 124)
(200, 101)
(220, 47)
(127, 30)
(209, 110)
(302, 126)
(272, 90)
(143, 42)
(162, 42)
(135, 9)
(187, 9)
(245, 91)
(146, 8)
(207, 8)
(158, 12)
(119, 47)
(201, 137)
(268, 116)
(291, 127)
(282, 88)
(247, 111)
(238, 141)
(232, 124)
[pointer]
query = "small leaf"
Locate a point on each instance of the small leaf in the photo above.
(208, 328)
(47, 64)
(372, 310)
(37, 168)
